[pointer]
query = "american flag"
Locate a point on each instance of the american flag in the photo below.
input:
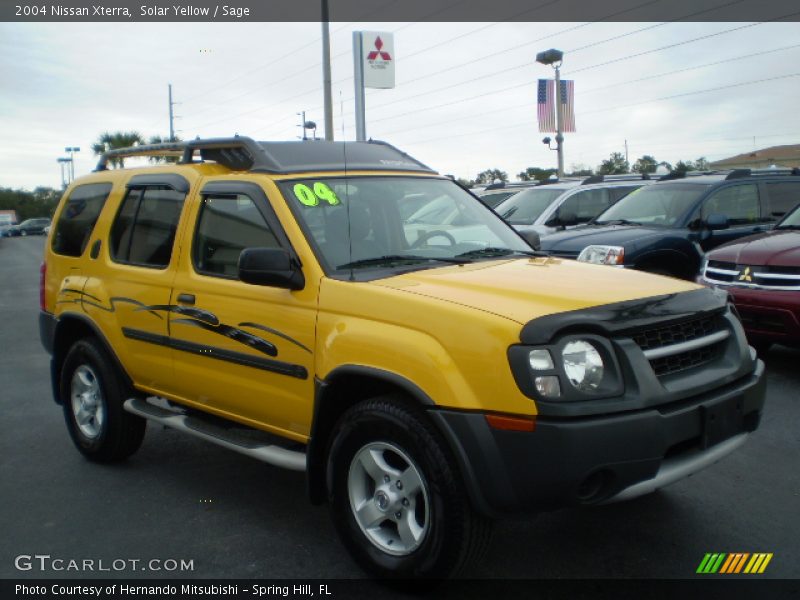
(546, 103)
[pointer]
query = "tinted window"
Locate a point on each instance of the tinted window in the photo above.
(78, 217)
(620, 192)
(585, 205)
(739, 203)
(227, 225)
(783, 197)
(660, 205)
(144, 230)
(524, 208)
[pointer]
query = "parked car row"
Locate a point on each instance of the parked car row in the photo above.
(38, 226)
(672, 226)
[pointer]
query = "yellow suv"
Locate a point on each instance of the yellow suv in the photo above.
(343, 310)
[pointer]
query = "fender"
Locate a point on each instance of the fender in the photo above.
(60, 348)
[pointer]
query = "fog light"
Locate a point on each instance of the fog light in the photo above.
(548, 386)
(540, 360)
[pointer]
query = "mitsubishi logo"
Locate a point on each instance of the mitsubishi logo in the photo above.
(374, 54)
(745, 276)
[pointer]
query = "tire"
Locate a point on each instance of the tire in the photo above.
(424, 528)
(93, 393)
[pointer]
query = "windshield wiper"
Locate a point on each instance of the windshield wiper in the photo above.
(788, 227)
(617, 222)
(398, 258)
(492, 252)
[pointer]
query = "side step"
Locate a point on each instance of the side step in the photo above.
(232, 438)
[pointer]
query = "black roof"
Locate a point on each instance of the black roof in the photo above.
(244, 154)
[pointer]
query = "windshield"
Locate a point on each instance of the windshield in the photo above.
(525, 207)
(659, 205)
(791, 221)
(397, 222)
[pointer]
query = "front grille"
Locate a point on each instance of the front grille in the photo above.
(685, 360)
(753, 276)
(674, 334)
(677, 347)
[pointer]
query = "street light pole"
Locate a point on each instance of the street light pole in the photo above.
(72, 150)
(554, 58)
(326, 73)
(559, 123)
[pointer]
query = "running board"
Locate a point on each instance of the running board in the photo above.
(210, 431)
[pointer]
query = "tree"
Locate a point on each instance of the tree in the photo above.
(41, 202)
(683, 167)
(579, 170)
(157, 139)
(116, 140)
(701, 164)
(489, 175)
(645, 164)
(615, 165)
(535, 174)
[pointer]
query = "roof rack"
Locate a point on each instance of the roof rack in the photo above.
(165, 149)
(241, 153)
(614, 177)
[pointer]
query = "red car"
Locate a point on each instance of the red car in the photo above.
(762, 275)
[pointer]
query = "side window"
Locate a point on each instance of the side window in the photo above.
(783, 197)
(143, 233)
(227, 225)
(78, 217)
(739, 203)
(586, 205)
(617, 193)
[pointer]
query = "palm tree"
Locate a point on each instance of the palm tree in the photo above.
(113, 141)
(157, 139)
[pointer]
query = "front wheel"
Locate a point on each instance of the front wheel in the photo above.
(396, 496)
(93, 393)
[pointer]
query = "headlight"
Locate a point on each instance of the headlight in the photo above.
(603, 255)
(583, 365)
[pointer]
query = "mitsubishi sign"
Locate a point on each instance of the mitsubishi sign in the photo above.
(377, 52)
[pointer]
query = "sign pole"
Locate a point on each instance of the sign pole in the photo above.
(358, 64)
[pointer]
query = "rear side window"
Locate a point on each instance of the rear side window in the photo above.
(143, 233)
(586, 205)
(227, 225)
(739, 203)
(783, 197)
(78, 218)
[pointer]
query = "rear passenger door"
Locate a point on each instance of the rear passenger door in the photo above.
(128, 292)
(240, 350)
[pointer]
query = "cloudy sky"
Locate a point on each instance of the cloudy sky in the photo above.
(465, 98)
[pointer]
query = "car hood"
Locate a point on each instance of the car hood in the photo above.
(523, 289)
(572, 241)
(773, 248)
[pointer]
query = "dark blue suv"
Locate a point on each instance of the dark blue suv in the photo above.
(667, 227)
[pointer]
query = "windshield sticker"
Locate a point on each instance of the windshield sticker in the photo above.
(311, 197)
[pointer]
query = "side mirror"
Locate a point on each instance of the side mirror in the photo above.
(562, 219)
(716, 221)
(270, 266)
(532, 237)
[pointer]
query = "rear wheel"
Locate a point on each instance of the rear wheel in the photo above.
(396, 496)
(92, 393)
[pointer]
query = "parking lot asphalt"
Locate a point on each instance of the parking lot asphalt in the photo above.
(181, 498)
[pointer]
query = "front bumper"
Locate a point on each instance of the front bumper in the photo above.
(768, 315)
(590, 460)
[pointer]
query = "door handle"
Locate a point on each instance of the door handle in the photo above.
(186, 299)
